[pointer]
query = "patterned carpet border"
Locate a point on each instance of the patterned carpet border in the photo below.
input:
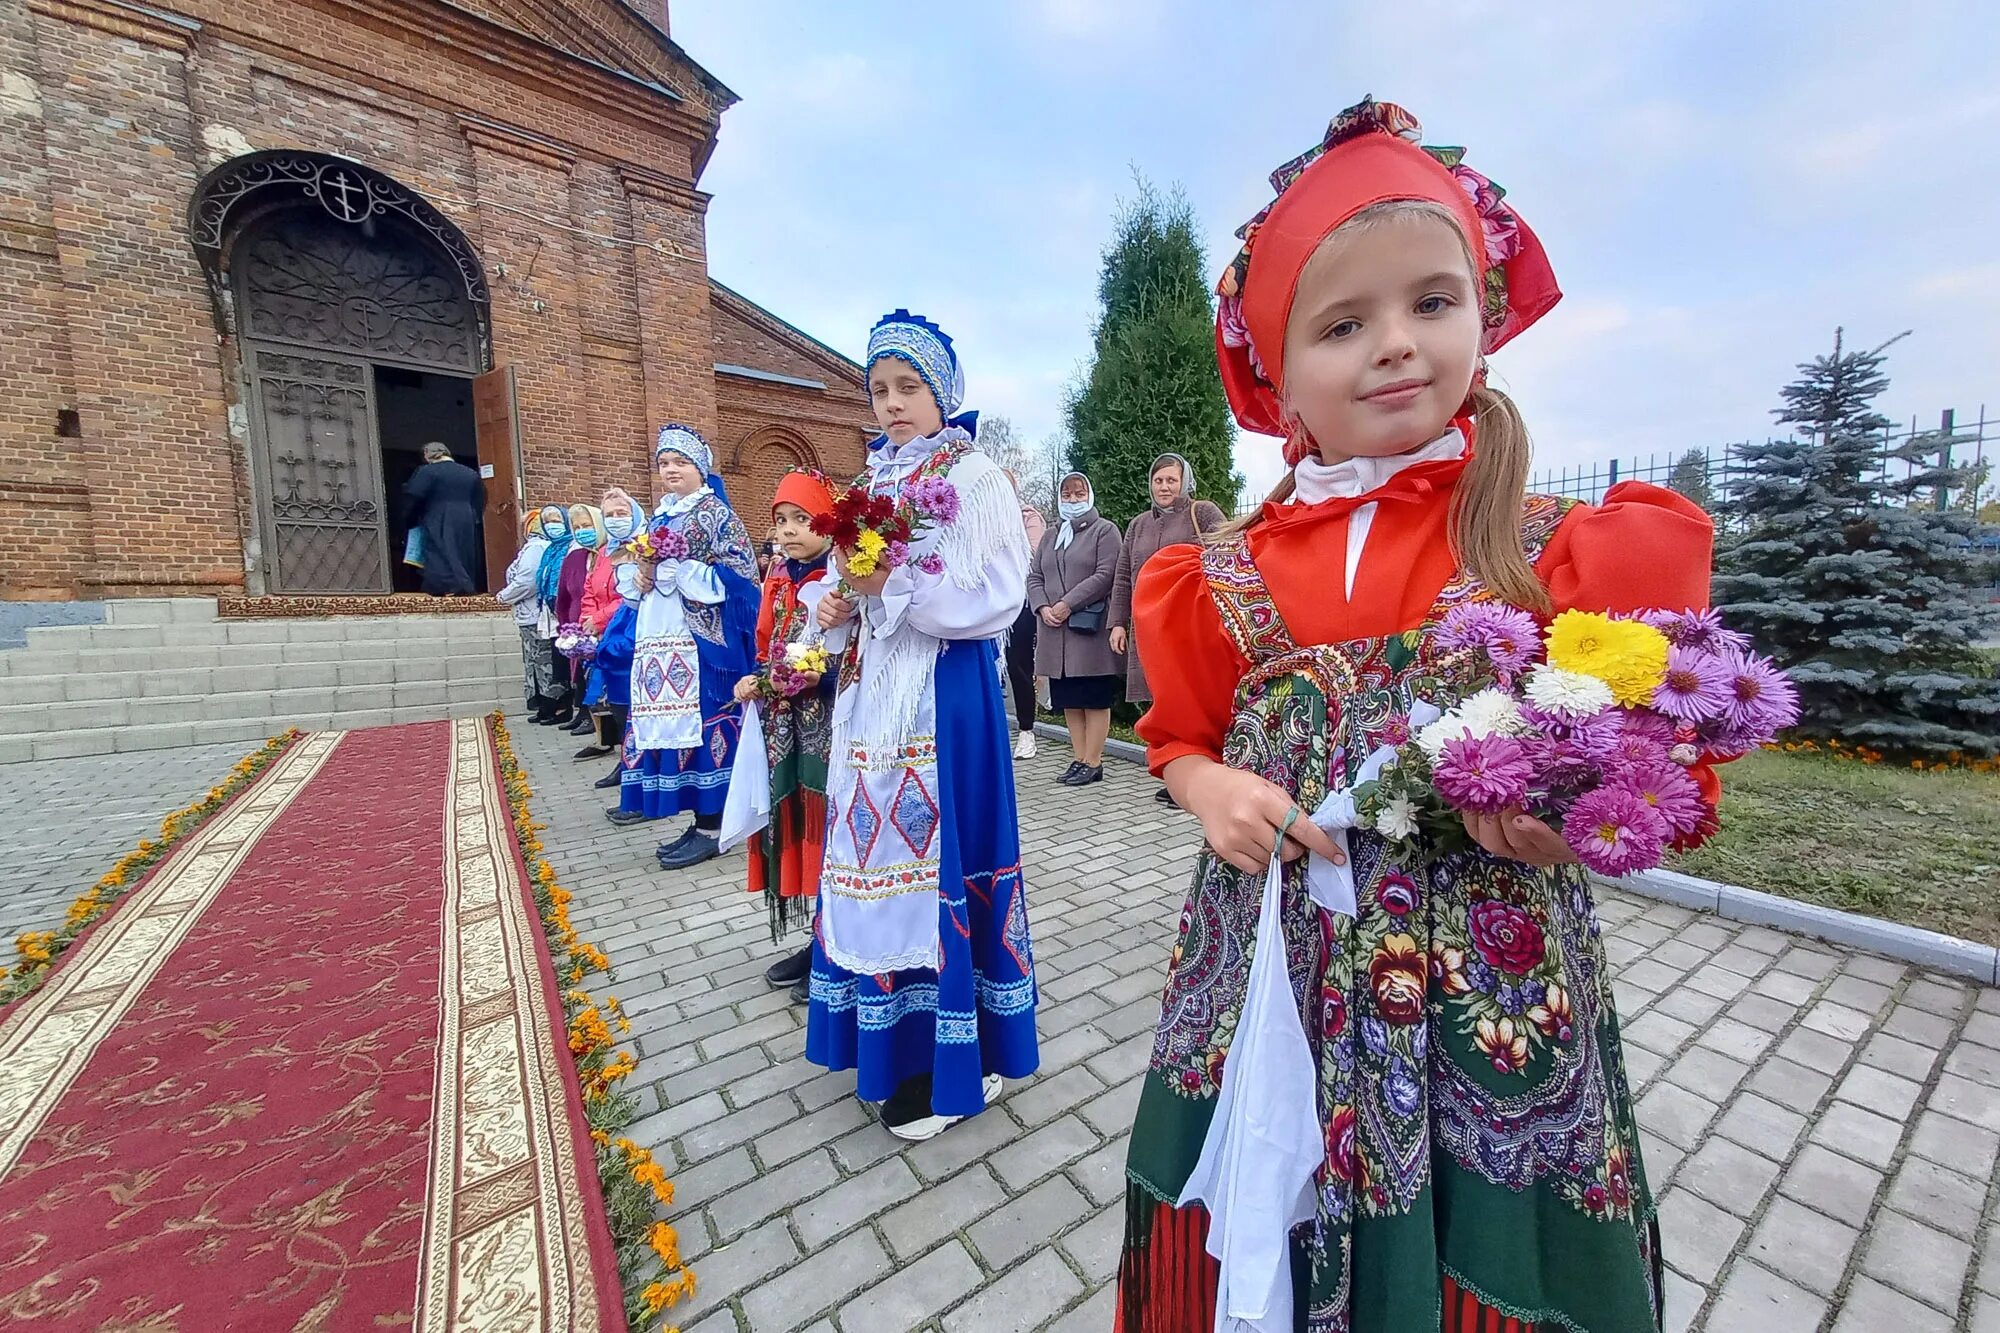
(38, 950)
(236, 606)
(635, 1185)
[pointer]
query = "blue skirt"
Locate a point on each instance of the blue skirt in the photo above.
(977, 1016)
(659, 783)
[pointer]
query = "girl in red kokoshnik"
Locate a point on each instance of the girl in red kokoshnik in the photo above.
(1430, 1126)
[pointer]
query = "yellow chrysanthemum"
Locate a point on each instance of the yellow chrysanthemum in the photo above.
(1627, 655)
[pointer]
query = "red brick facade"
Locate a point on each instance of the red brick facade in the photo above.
(563, 141)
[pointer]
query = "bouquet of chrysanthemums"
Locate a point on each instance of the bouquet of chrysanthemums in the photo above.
(875, 531)
(1592, 724)
(799, 669)
(575, 641)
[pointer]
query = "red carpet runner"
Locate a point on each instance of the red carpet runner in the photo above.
(309, 1075)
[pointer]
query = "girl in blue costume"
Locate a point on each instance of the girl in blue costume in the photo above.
(695, 637)
(922, 973)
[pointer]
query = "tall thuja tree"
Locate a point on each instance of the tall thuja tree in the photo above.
(1867, 602)
(1152, 386)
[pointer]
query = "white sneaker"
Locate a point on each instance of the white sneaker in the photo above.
(1024, 746)
(918, 1131)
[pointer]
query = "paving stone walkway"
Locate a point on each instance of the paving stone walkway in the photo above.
(1822, 1125)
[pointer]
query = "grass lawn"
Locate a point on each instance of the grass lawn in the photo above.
(1919, 848)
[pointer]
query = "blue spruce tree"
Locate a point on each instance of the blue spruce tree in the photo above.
(1856, 581)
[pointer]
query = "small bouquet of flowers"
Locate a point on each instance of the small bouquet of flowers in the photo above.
(575, 641)
(875, 531)
(1592, 724)
(798, 670)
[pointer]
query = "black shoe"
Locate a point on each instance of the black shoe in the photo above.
(698, 848)
(1069, 774)
(1083, 775)
(1166, 798)
(543, 716)
(563, 716)
(620, 816)
(592, 751)
(615, 778)
(790, 969)
(666, 849)
(802, 990)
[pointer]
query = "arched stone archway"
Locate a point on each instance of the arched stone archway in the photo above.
(760, 459)
(359, 317)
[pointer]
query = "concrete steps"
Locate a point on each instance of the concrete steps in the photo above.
(167, 672)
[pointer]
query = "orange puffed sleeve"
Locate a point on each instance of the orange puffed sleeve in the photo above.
(1644, 547)
(1190, 663)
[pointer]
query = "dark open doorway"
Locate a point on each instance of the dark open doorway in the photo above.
(412, 408)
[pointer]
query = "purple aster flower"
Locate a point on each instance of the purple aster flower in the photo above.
(1762, 702)
(1615, 832)
(1694, 629)
(1696, 686)
(1562, 766)
(899, 554)
(1669, 789)
(933, 498)
(1483, 775)
(1509, 636)
(931, 564)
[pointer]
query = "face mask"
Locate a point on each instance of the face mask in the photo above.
(555, 532)
(626, 579)
(619, 526)
(587, 537)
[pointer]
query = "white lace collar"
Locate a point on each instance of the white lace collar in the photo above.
(1315, 481)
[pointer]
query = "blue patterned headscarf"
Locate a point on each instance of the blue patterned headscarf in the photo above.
(548, 575)
(689, 444)
(928, 350)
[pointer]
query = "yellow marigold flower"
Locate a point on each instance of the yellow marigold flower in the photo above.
(600, 1138)
(665, 1242)
(648, 1173)
(1627, 655)
(656, 1296)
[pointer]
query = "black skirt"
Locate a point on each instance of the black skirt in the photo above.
(1067, 692)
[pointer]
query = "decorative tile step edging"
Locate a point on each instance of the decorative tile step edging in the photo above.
(1927, 948)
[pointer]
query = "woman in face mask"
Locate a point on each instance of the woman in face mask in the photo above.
(533, 614)
(586, 527)
(617, 521)
(612, 667)
(1069, 586)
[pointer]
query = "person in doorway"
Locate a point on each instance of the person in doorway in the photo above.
(1021, 639)
(444, 501)
(586, 525)
(1175, 518)
(696, 637)
(798, 729)
(923, 975)
(1069, 587)
(518, 592)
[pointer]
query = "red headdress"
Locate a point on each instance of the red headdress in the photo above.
(808, 490)
(1371, 154)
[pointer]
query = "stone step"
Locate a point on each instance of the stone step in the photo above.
(240, 677)
(244, 731)
(282, 705)
(159, 610)
(19, 662)
(338, 629)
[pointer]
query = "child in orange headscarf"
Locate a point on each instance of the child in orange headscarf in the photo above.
(1421, 1116)
(798, 730)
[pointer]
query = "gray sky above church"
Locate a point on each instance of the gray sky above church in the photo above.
(1718, 184)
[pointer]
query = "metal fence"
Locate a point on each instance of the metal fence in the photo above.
(1709, 472)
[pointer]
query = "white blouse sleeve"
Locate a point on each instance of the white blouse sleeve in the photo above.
(979, 602)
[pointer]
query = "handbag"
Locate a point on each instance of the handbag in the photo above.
(1088, 619)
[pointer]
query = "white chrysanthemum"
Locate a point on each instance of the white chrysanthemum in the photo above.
(1490, 712)
(795, 653)
(1567, 693)
(1397, 819)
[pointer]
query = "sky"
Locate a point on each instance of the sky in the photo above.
(1718, 185)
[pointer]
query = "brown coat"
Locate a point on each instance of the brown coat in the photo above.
(1146, 536)
(1081, 574)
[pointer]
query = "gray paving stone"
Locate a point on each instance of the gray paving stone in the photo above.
(735, 1128)
(1883, 1093)
(1763, 1126)
(724, 1272)
(1939, 1196)
(1863, 1135)
(1697, 1234)
(1755, 1298)
(1027, 1222)
(970, 1141)
(1733, 1178)
(1675, 1114)
(1790, 1084)
(1102, 1174)
(1094, 1247)
(1707, 1074)
(1809, 1248)
(1980, 1064)
(1887, 1051)
(822, 1280)
(1024, 1300)
(1831, 1184)
(1871, 1307)
(1047, 1149)
(1048, 1098)
(842, 1207)
(1985, 1315)
(1953, 1143)
(1816, 1048)
(1097, 1314)
(774, 1193)
(823, 1126)
(1917, 1260)
(1925, 1029)
(941, 1209)
(914, 1294)
(1968, 1101)
(1682, 1301)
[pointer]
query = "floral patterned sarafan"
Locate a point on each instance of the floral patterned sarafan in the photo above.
(1462, 1026)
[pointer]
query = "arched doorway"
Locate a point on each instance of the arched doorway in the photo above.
(360, 320)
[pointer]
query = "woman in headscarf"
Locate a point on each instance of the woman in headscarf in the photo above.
(534, 614)
(1021, 638)
(1176, 517)
(586, 527)
(696, 637)
(1069, 587)
(618, 517)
